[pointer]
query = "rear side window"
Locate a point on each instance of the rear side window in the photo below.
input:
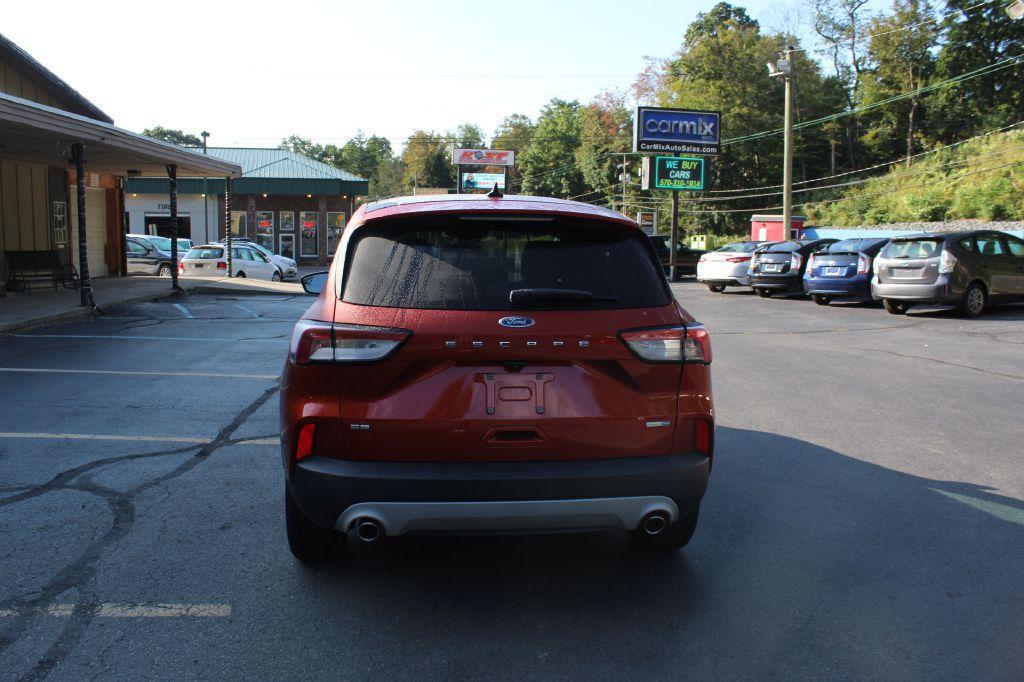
(474, 264)
(989, 245)
(967, 244)
(912, 248)
(204, 253)
(1016, 246)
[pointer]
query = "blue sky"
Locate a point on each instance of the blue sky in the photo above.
(254, 72)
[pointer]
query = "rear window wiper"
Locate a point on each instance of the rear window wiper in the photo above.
(522, 296)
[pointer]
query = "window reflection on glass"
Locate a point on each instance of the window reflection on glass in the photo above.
(335, 224)
(265, 229)
(60, 222)
(309, 225)
(287, 245)
(287, 220)
(238, 224)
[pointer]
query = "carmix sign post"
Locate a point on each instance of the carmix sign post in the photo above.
(679, 131)
(503, 158)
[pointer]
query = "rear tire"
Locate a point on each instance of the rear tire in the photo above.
(717, 288)
(974, 302)
(764, 293)
(240, 274)
(164, 271)
(308, 542)
(672, 538)
(895, 307)
(821, 300)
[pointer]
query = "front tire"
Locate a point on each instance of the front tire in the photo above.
(276, 277)
(821, 300)
(717, 288)
(974, 301)
(308, 542)
(895, 307)
(676, 536)
(764, 293)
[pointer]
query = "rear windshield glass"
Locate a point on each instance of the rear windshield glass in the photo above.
(474, 264)
(852, 245)
(739, 247)
(912, 248)
(784, 246)
(162, 243)
(204, 253)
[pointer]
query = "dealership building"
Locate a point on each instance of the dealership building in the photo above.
(289, 203)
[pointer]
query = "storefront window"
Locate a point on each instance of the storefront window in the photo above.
(287, 245)
(287, 221)
(238, 224)
(265, 229)
(60, 222)
(335, 224)
(309, 226)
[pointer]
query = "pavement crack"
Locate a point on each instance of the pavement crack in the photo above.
(943, 362)
(80, 571)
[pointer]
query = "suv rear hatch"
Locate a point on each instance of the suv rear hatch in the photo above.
(776, 259)
(478, 377)
(910, 261)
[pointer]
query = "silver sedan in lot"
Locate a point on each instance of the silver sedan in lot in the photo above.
(727, 266)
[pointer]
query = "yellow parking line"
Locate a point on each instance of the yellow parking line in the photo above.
(215, 375)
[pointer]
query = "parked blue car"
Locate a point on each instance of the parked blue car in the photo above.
(842, 270)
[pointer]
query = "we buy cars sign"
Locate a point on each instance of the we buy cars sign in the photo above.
(483, 157)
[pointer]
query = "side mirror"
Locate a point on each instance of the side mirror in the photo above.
(314, 282)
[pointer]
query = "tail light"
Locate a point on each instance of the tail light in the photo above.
(737, 259)
(221, 265)
(702, 259)
(795, 261)
(863, 264)
(181, 266)
(314, 341)
(947, 262)
(670, 345)
(810, 265)
(304, 444)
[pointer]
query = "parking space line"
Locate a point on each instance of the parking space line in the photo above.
(184, 311)
(113, 337)
(215, 375)
(44, 435)
(125, 610)
(247, 310)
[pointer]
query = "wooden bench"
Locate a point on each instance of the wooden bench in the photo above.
(27, 267)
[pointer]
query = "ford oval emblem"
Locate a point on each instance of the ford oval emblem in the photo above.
(516, 322)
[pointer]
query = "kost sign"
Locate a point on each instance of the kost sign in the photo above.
(483, 157)
(676, 130)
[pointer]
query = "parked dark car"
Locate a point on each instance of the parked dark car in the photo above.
(146, 259)
(779, 267)
(842, 270)
(686, 258)
(969, 270)
(493, 365)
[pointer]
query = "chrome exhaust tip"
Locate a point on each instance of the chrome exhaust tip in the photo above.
(368, 530)
(654, 523)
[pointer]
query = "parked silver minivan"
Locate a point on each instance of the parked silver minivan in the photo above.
(969, 270)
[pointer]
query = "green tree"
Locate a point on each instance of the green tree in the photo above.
(173, 136)
(901, 63)
(549, 163)
(362, 155)
(976, 38)
(388, 180)
(515, 133)
(427, 160)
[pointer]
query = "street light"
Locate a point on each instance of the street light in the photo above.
(1015, 9)
(784, 69)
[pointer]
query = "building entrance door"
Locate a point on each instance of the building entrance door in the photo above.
(309, 233)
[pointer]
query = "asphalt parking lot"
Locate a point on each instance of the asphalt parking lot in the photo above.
(865, 517)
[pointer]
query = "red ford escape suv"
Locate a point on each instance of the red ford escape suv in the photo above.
(488, 364)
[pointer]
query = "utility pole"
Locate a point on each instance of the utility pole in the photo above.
(625, 177)
(787, 169)
(674, 238)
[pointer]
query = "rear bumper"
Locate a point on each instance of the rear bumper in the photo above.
(714, 273)
(838, 288)
(938, 292)
(498, 496)
(789, 282)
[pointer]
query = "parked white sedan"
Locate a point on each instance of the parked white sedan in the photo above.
(727, 266)
(211, 260)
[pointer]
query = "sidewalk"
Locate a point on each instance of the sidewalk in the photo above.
(18, 311)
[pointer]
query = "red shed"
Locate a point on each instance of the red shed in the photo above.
(768, 228)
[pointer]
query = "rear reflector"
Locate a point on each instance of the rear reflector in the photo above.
(702, 436)
(316, 341)
(304, 446)
(688, 343)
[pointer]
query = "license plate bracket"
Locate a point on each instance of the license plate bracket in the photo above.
(834, 271)
(515, 389)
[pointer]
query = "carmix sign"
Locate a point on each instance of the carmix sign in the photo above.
(676, 130)
(671, 172)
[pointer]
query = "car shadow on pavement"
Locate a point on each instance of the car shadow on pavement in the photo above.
(796, 543)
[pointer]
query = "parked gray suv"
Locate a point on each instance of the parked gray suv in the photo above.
(969, 270)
